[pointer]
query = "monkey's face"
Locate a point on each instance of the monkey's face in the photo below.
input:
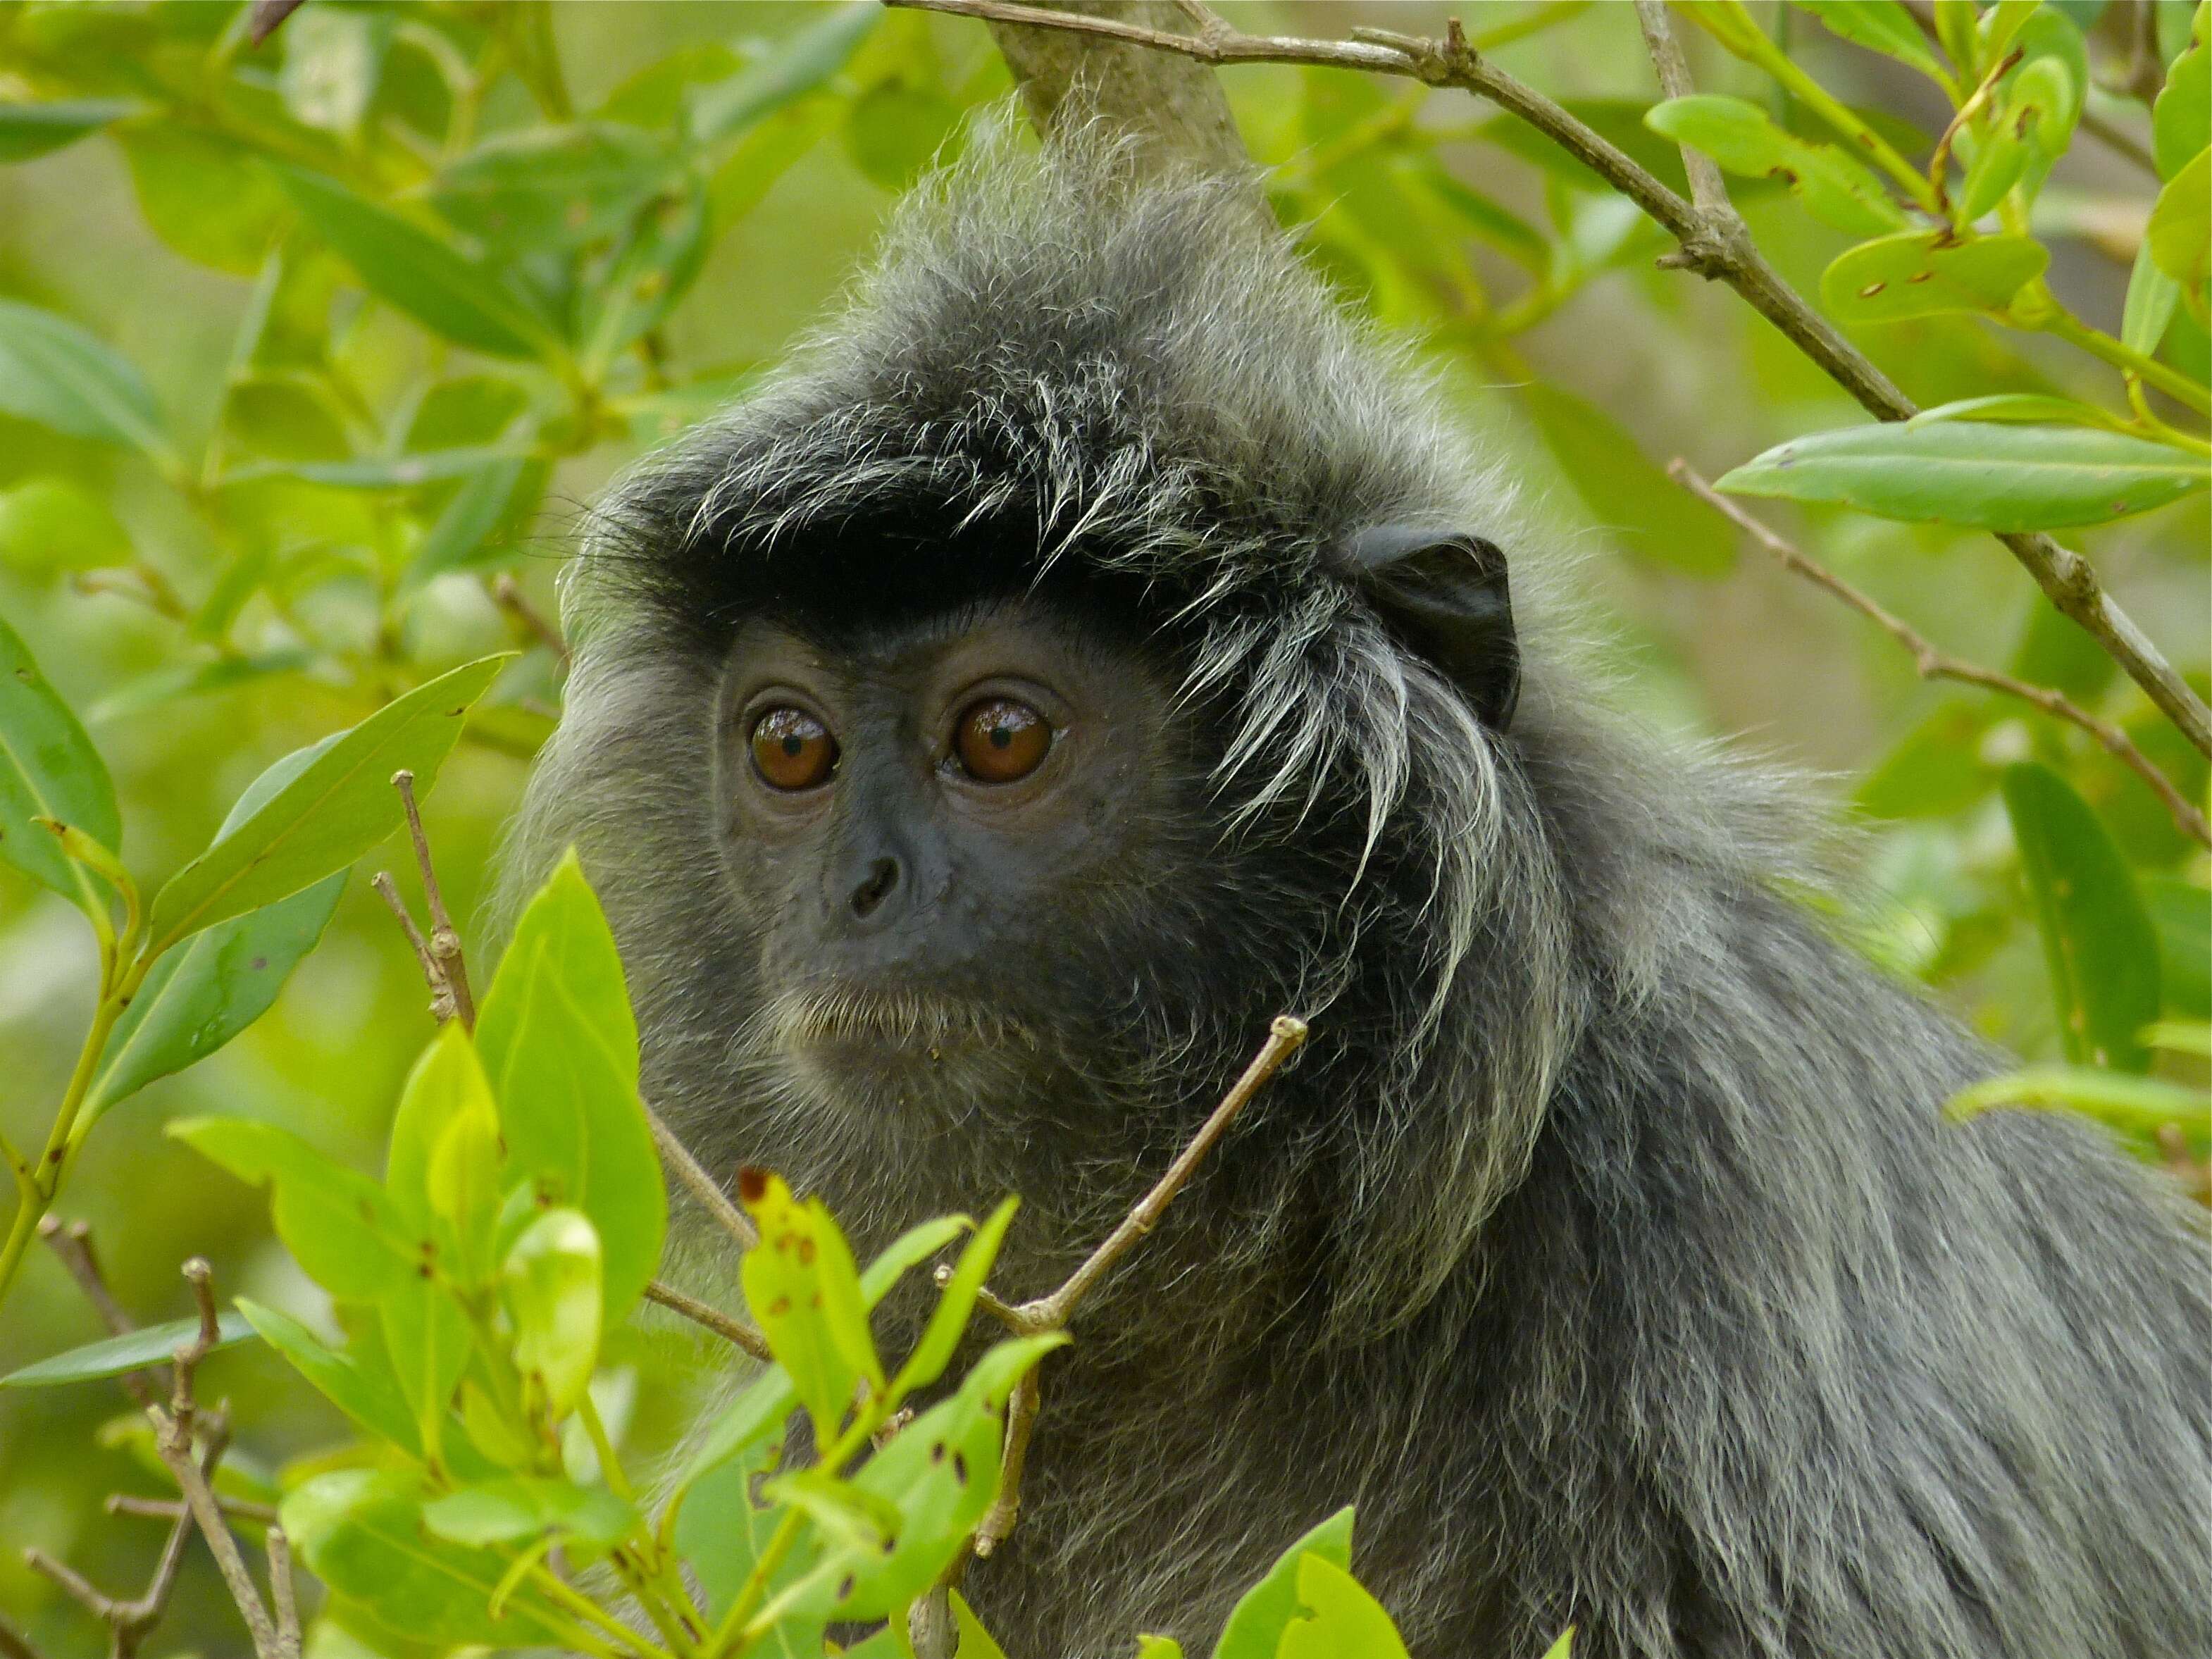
(940, 833)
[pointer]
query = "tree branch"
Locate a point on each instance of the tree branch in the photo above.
(1935, 665)
(1713, 244)
(712, 1319)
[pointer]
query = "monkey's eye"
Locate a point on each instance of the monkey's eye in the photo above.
(791, 749)
(1000, 740)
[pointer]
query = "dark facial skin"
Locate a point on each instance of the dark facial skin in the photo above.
(928, 823)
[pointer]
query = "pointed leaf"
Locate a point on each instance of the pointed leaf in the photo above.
(795, 68)
(1739, 135)
(2152, 296)
(338, 806)
(1882, 26)
(2021, 408)
(337, 1223)
(522, 1510)
(2133, 1105)
(721, 1531)
(1255, 1626)
(2097, 939)
(456, 539)
(811, 1335)
(413, 270)
(49, 769)
(206, 991)
(1979, 473)
(55, 374)
(560, 1042)
(363, 1392)
(553, 187)
(426, 1337)
(1337, 1618)
(31, 129)
(948, 1322)
(152, 1345)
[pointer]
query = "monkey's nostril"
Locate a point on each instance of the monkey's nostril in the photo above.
(883, 876)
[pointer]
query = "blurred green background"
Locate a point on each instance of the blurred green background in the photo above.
(719, 168)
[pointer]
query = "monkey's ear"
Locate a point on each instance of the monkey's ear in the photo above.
(1444, 595)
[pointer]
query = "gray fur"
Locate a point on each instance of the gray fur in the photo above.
(1607, 1247)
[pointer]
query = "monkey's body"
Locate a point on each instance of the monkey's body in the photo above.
(1606, 1247)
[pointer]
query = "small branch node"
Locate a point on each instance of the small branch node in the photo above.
(441, 954)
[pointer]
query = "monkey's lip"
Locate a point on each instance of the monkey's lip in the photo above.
(905, 1021)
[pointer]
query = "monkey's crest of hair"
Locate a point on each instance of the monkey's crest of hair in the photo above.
(1131, 378)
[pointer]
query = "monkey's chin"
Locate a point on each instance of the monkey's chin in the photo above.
(900, 1053)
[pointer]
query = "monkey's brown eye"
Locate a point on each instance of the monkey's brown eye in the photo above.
(1000, 740)
(791, 749)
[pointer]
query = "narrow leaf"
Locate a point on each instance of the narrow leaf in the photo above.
(336, 1222)
(55, 374)
(1835, 188)
(30, 130)
(340, 804)
(1976, 472)
(417, 272)
(134, 1351)
(2022, 408)
(521, 1511)
(1882, 26)
(801, 63)
(2098, 940)
(948, 1322)
(363, 1392)
(2133, 1105)
(551, 1279)
(49, 769)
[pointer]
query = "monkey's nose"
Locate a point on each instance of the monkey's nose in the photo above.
(883, 878)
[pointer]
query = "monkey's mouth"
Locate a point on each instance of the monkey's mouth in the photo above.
(904, 1029)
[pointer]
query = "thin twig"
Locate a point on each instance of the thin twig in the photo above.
(712, 1319)
(1716, 246)
(701, 1185)
(506, 593)
(441, 999)
(283, 1590)
(1708, 191)
(72, 1242)
(1935, 665)
(1052, 1313)
(13, 1646)
(445, 938)
(168, 1509)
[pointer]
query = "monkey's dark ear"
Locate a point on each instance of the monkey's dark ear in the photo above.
(1444, 595)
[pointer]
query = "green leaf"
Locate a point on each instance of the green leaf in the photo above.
(338, 1223)
(721, 1531)
(1924, 274)
(1833, 186)
(456, 539)
(2180, 229)
(2132, 1105)
(362, 1532)
(1882, 26)
(1160, 1647)
(769, 151)
(663, 257)
(448, 1083)
(894, 130)
(799, 65)
(523, 1510)
(134, 1351)
(49, 524)
(1653, 519)
(428, 1340)
(948, 1321)
(1935, 771)
(552, 1284)
(2183, 114)
(560, 1042)
(2021, 408)
(908, 1251)
(1336, 1619)
(553, 187)
(366, 1393)
(401, 471)
(2098, 941)
(1975, 472)
(30, 130)
(2151, 295)
(413, 270)
(812, 1334)
(209, 989)
(49, 769)
(55, 374)
(1254, 1630)
(941, 1472)
(211, 200)
(338, 806)
(2182, 913)
(970, 1639)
